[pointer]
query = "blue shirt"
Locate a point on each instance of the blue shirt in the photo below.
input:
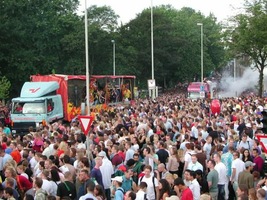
(227, 159)
(119, 194)
(127, 184)
(97, 175)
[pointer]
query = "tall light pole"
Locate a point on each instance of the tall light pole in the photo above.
(87, 60)
(114, 57)
(87, 74)
(152, 52)
(201, 36)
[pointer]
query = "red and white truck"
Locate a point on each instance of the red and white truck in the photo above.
(196, 90)
(47, 98)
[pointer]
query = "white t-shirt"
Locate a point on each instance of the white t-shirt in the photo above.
(207, 150)
(150, 187)
(81, 146)
(187, 157)
(33, 163)
(182, 146)
(48, 187)
(140, 195)
(239, 165)
(195, 188)
(106, 170)
(194, 132)
(195, 166)
(245, 145)
(221, 169)
(205, 134)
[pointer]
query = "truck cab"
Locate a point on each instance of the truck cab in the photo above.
(198, 90)
(37, 105)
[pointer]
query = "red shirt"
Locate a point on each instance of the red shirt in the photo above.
(116, 160)
(187, 195)
(259, 164)
(121, 154)
(16, 156)
(23, 182)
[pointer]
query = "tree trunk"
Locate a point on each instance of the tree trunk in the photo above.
(261, 81)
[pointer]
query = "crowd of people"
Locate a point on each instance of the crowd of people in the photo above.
(163, 149)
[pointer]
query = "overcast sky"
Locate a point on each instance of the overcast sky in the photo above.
(127, 9)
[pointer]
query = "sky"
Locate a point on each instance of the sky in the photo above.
(127, 9)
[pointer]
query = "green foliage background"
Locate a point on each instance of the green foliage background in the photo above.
(38, 37)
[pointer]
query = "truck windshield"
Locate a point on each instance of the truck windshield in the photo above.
(29, 108)
(194, 95)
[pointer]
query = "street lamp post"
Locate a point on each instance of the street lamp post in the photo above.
(87, 60)
(201, 26)
(114, 57)
(152, 52)
(87, 73)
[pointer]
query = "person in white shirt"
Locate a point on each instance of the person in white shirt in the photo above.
(237, 166)
(135, 145)
(189, 152)
(194, 131)
(194, 185)
(47, 185)
(47, 151)
(106, 170)
(244, 143)
(141, 194)
(194, 164)
(204, 132)
(150, 131)
(187, 181)
(129, 151)
(221, 169)
(152, 183)
(186, 140)
(207, 147)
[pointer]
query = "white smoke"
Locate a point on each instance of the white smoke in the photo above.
(232, 88)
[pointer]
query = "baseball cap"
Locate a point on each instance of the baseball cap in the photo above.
(117, 178)
(102, 154)
(249, 164)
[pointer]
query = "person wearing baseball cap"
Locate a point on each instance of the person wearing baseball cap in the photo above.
(119, 192)
(245, 177)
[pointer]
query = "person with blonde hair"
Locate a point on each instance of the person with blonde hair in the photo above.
(96, 173)
(173, 161)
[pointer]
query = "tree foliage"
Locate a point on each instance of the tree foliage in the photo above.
(176, 45)
(4, 88)
(43, 37)
(247, 36)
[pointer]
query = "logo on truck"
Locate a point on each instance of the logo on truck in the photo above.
(34, 90)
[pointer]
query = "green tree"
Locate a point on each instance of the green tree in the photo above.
(31, 36)
(4, 88)
(247, 37)
(176, 45)
(102, 22)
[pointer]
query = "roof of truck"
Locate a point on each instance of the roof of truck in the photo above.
(38, 89)
(81, 77)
